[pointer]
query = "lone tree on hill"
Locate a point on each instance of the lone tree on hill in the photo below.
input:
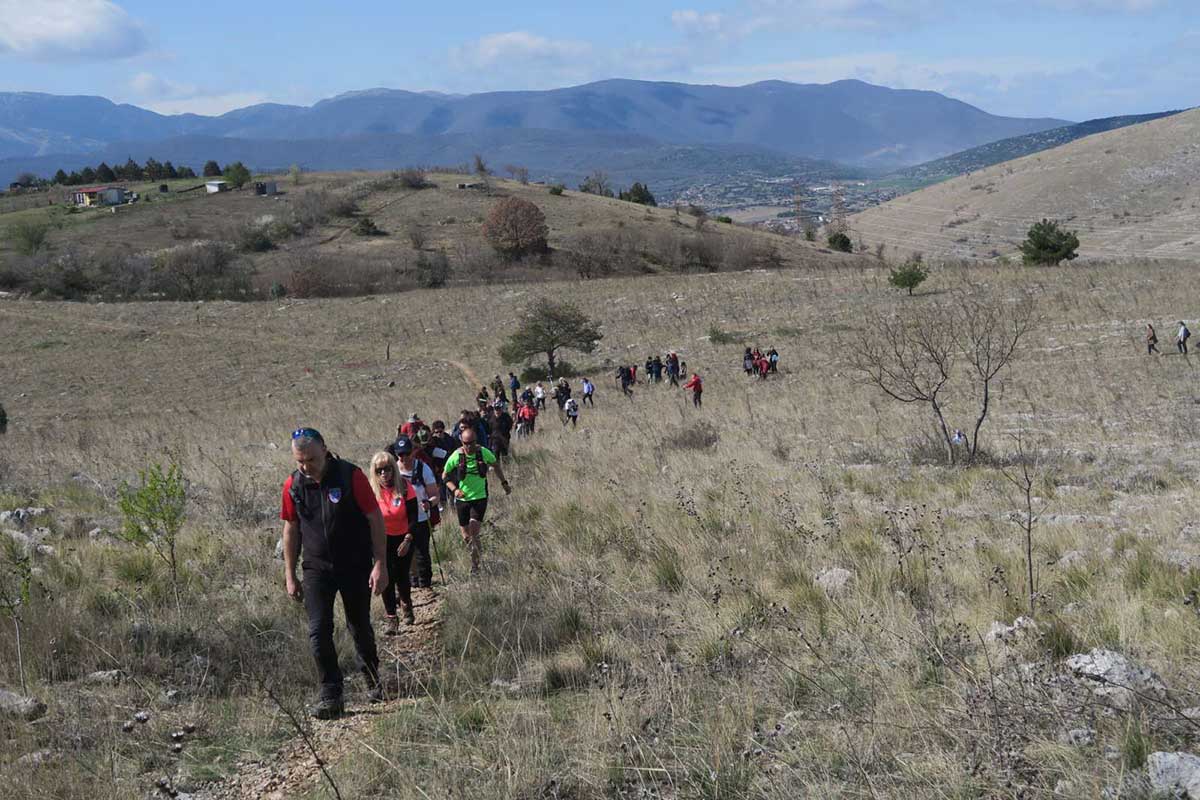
(546, 327)
(910, 275)
(516, 227)
(1048, 244)
(212, 169)
(639, 193)
(598, 184)
(237, 174)
(841, 242)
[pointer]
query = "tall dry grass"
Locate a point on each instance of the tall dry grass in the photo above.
(650, 621)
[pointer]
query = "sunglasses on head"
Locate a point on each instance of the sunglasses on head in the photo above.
(306, 433)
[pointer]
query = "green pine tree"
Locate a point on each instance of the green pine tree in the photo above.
(1047, 243)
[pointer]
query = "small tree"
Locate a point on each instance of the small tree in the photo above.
(212, 169)
(296, 174)
(1048, 244)
(28, 236)
(516, 227)
(546, 327)
(237, 174)
(105, 174)
(841, 242)
(639, 193)
(61, 178)
(187, 172)
(154, 512)
(910, 275)
(597, 183)
(480, 166)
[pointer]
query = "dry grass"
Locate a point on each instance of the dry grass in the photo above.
(649, 623)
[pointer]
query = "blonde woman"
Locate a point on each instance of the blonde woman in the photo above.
(398, 503)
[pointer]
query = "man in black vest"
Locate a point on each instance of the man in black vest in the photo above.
(331, 516)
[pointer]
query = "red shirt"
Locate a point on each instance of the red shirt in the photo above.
(394, 507)
(695, 384)
(410, 429)
(358, 482)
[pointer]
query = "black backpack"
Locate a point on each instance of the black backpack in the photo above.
(460, 471)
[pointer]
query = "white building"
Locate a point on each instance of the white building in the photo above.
(213, 187)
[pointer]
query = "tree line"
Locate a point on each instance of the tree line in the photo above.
(152, 170)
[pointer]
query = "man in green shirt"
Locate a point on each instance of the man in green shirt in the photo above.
(465, 474)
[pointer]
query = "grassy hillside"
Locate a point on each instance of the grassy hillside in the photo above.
(1015, 147)
(313, 248)
(1128, 192)
(660, 615)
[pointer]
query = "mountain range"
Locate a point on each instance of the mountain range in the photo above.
(846, 121)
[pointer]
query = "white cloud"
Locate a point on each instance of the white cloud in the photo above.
(80, 30)
(170, 97)
(518, 47)
(690, 21)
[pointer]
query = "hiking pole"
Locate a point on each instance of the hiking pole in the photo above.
(437, 556)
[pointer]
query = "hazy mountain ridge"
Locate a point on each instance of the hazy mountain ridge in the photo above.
(847, 121)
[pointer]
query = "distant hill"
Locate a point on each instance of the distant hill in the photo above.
(551, 156)
(1134, 191)
(986, 155)
(847, 121)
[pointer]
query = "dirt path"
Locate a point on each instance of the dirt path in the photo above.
(468, 375)
(292, 770)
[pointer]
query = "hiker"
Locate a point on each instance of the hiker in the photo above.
(1151, 340)
(410, 427)
(1182, 337)
(425, 484)
(501, 432)
(673, 368)
(773, 359)
(539, 395)
(649, 365)
(571, 411)
(513, 386)
(633, 373)
(697, 387)
(658, 369)
(625, 378)
(482, 398)
(589, 389)
(748, 362)
(526, 419)
(330, 515)
(497, 387)
(473, 420)
(466, 477)
(562, 393)
(398, 504)
(762, 366)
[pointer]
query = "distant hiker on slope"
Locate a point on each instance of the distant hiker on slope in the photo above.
(1182, 337)
(466, 477)
(589, 389)
(424, 482)
(539, 395)
(697, 386)
(773, 358)
(571, 412)
(330, 515)
(514, 386)
(1151, 340)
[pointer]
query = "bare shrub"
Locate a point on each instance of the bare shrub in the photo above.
(433, 270)
(516, 227)
(592, 255)
(744, 251)
(412, 178)
(200, 271)
(317, 206)
(27, 236)
(517, 173)
(418, 237)
(704, 251)
(698, 436)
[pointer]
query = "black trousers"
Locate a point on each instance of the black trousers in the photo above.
(321, 587)
(422, 566)
(398, 582)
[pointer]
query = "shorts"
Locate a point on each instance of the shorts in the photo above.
(468, 509)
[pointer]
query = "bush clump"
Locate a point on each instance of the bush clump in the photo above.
(516, 227)
(841, 242)
(365, 226)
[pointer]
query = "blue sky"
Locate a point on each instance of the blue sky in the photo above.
(1073, 59)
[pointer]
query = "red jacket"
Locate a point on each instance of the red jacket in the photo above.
(695, 384)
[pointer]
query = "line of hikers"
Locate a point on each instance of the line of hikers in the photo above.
(757, 363)
(1181, 339)
(355, 534)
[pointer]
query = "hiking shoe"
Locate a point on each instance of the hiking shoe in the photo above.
(409, 619)
(376, 694)
(328, 708)
(391, 626)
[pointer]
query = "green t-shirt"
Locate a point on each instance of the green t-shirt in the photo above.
(473, 486)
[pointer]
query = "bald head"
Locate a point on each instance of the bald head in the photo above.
(468, 436)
